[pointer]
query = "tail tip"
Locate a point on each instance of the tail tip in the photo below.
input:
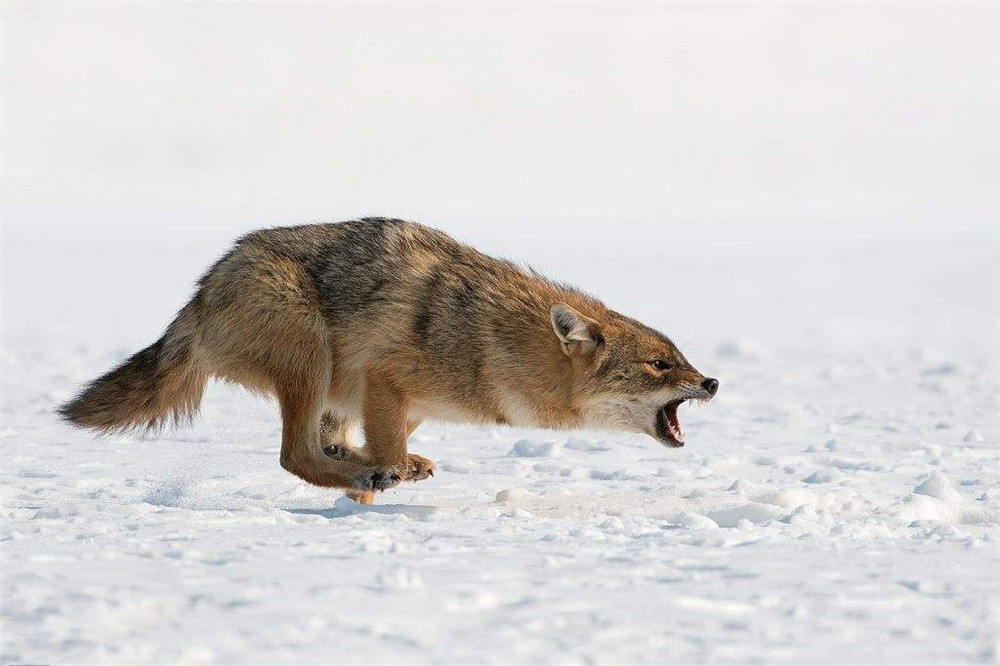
(68, 413)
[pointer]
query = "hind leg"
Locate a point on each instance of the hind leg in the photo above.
(266, 331)
(336, 435)
(302, 451)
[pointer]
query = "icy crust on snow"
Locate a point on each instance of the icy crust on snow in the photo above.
(796, 527)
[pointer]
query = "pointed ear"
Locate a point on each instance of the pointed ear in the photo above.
(579, 334)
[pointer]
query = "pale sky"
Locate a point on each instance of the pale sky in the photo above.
(871, 116)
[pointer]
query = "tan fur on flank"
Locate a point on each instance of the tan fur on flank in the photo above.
(382, 324)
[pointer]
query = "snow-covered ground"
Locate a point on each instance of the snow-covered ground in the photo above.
(837, 503)
(803, 196)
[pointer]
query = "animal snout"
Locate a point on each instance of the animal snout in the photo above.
(711, 385)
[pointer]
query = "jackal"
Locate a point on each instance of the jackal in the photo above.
(384, 323)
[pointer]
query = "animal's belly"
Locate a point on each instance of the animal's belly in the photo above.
(423, 410)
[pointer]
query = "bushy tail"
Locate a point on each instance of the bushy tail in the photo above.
(161, 383)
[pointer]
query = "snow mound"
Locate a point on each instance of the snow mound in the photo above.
(828, 475)
(922, 507)
(753, 512)
(529, 448)
(513, 495)
(937, 485)
(694, 521)
(36, 474)
(581, 444)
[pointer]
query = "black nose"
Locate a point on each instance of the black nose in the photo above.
(711, 385)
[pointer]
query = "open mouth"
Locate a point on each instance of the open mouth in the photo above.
(668, 426)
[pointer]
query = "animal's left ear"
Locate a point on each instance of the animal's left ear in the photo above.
(579, 334)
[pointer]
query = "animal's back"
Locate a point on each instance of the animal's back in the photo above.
(459, 326)
(377, 267)
(362, 263)
(330, 301)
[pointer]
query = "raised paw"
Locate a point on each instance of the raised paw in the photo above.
(378, 479)
(418, 468)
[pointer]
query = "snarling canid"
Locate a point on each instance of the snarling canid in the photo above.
(386, 323)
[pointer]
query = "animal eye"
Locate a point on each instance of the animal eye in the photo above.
(660, 365)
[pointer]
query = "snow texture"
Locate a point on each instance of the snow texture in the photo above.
(762, 539)
(802, 196)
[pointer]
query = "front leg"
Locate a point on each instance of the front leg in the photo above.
(418, 467)
(384, 422)
(385, 429)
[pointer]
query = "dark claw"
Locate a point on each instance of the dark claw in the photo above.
(430, 472)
